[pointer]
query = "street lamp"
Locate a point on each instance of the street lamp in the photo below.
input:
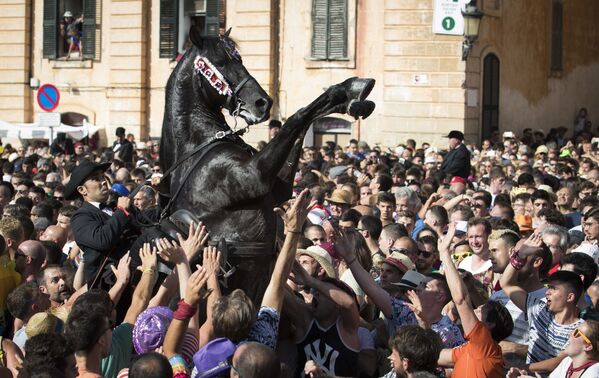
(472, 16)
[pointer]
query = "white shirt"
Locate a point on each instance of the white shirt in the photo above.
(561, 370)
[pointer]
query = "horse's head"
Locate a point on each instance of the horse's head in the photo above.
(224, 79)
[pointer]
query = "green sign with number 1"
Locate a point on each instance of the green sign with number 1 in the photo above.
(448, 23)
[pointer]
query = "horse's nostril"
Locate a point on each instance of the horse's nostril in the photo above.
(261, 103)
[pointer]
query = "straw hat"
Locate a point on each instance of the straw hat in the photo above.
(321, 256)
(340, 196)
(400, 261)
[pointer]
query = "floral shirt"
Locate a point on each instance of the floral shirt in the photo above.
(450, 334)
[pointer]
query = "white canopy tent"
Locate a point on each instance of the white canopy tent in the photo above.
(35, 131)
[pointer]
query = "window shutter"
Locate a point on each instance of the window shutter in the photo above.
(319, 29)
(50, 29)
(337, 48)
(169, 12)
(88, 38)
(212, 18)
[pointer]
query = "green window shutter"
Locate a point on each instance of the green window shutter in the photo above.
(212, 18)
(319, 29)
(337, 42)
(50, 28)
(169, 13)
(88, 38)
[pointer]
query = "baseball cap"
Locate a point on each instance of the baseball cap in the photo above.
(400, 261)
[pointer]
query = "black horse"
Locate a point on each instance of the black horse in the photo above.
(223, 181)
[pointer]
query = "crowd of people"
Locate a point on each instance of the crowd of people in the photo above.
(410, 261)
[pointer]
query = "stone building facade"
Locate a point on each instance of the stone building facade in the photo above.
(535, 62)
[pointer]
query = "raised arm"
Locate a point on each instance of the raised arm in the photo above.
(211, 261)
(350, 316)
(186, 309)
(458, 290)
(294, 219)
(143, 291)
(375, 293)
(524, 251)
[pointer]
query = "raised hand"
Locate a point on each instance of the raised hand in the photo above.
(196, 287)
(445, 242)
(122, 272)
(171, 251)
(295, 216)
(530, 246)
(196, 238)
(299, 276)
(416, 307)
(211, 260)
(148, 256)
(344, 247)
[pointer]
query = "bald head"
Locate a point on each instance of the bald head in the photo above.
(56, 234)
(33, 249)
(253, 359)
(364, 210)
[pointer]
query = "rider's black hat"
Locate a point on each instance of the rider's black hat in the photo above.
(274, 123)
(79, 175)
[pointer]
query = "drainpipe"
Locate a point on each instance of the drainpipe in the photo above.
(275, 27)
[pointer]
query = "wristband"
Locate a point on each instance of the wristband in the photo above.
(184, 311)
(123, 210)
(294, 232)
(148, 270)
(516, 261)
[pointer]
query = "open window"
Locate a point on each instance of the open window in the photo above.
(177, 17)
(70, 29)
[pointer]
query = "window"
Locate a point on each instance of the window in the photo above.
(70, 29)
(329, 30)
(557, 10)
(176, 18)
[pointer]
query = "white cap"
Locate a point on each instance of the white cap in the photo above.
(68, 14)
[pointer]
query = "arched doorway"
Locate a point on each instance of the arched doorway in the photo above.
(490, 116)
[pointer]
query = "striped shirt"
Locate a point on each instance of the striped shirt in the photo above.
(547, 338)
(520, 333)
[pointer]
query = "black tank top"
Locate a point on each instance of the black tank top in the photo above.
(325, 347)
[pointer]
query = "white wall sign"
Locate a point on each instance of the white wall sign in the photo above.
(51, 119)
(447, 17)
(420, 79)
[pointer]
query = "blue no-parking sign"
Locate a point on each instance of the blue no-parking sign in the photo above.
(48, 97)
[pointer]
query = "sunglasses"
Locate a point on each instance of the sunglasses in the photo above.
(458, 256)
(424, 254)
(59, 198)
(578, 333)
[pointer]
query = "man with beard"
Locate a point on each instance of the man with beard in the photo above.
(428, 254)
(53, 281)
(413, 350)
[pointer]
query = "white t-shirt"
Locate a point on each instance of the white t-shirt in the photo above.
(562, 369)
(520, 333)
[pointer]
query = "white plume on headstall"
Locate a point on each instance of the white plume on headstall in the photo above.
(212, 74)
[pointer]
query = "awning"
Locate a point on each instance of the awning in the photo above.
(35, 131)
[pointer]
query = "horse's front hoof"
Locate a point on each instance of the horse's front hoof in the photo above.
(359, 109)
(359, 88)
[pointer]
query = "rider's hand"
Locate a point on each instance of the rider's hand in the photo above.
(123, 203)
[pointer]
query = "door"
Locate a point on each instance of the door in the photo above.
(490, 96)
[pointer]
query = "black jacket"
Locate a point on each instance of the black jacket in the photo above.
(99, 235)
(457, 162)
(125, 151)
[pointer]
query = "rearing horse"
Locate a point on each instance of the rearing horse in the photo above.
(224, 182)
